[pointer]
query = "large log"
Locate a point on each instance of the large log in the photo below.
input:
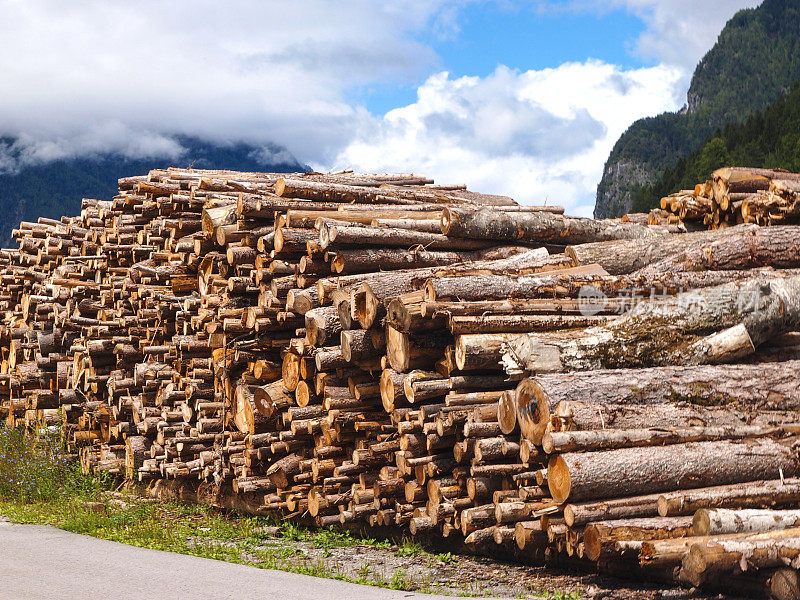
(733, 175)
(601, 536)
(331, 192)
(738, 553)
(612, 439)
(500, 287)
(543, 227)
(718, 521)
(752, 494)
(633, 471)
(385, 192)
(560, 306)
(670, 331)
(343, 235)
(364, 260)
(579, 514)
(776, 247)
(588, 283)
(538, 403)
(760, 386)
(468, 324)
(620, 257)
(579, 415)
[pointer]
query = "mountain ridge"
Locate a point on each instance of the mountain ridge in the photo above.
(767, 139)
(55, 188)
(755, 61)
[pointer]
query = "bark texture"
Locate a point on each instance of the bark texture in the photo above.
(713, 325)
(632, 471)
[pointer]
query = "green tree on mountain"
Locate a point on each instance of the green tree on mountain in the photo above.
(755, 61)
(769, 138)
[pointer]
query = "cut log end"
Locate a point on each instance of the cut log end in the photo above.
(592, 545)
(507, 412)
(785, 585)
(365, 306)
(701, 522)
(558, 479)
(533, 410)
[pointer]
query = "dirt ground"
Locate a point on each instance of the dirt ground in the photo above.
(463, 574)
(432, 566)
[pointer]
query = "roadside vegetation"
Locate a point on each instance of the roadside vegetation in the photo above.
(37, 485)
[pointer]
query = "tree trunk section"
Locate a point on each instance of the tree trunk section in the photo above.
(543, 227)
(613, 439)
(753, 494)
(634, 471)
(717, 521)
(671, 331)
(576, 515)
(777, 247)
(601, 536)
(620, 257)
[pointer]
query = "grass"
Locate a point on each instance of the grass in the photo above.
(38, 486)
(33, 468)
(189, 529)
(410, 548)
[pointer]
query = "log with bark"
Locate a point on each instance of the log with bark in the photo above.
(543, 227)
(714, 325)
(620, 257)
(632, 471)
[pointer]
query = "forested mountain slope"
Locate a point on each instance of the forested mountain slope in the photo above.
(754, 62)
(769, 139)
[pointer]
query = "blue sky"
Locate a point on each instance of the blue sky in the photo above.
(487, 34)
(518, 97)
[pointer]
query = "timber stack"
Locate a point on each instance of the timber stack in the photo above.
(379, 350)
(734, 195)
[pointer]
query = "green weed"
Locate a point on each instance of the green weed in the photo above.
(33, 468)
(400, 580)
(409, 548)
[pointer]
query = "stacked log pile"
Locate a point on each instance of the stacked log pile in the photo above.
(379, 350)
(734, 195)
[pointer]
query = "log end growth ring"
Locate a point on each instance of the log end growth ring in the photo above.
(558, 479)
(290, 371)
(701, 522)
(507, 412)
(447, 220)
(591, 542)
(365, 306)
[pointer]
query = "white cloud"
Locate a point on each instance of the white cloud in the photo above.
(544, 135)
(85, 77)
(677, 32)
(538, 136)
(238, 70)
